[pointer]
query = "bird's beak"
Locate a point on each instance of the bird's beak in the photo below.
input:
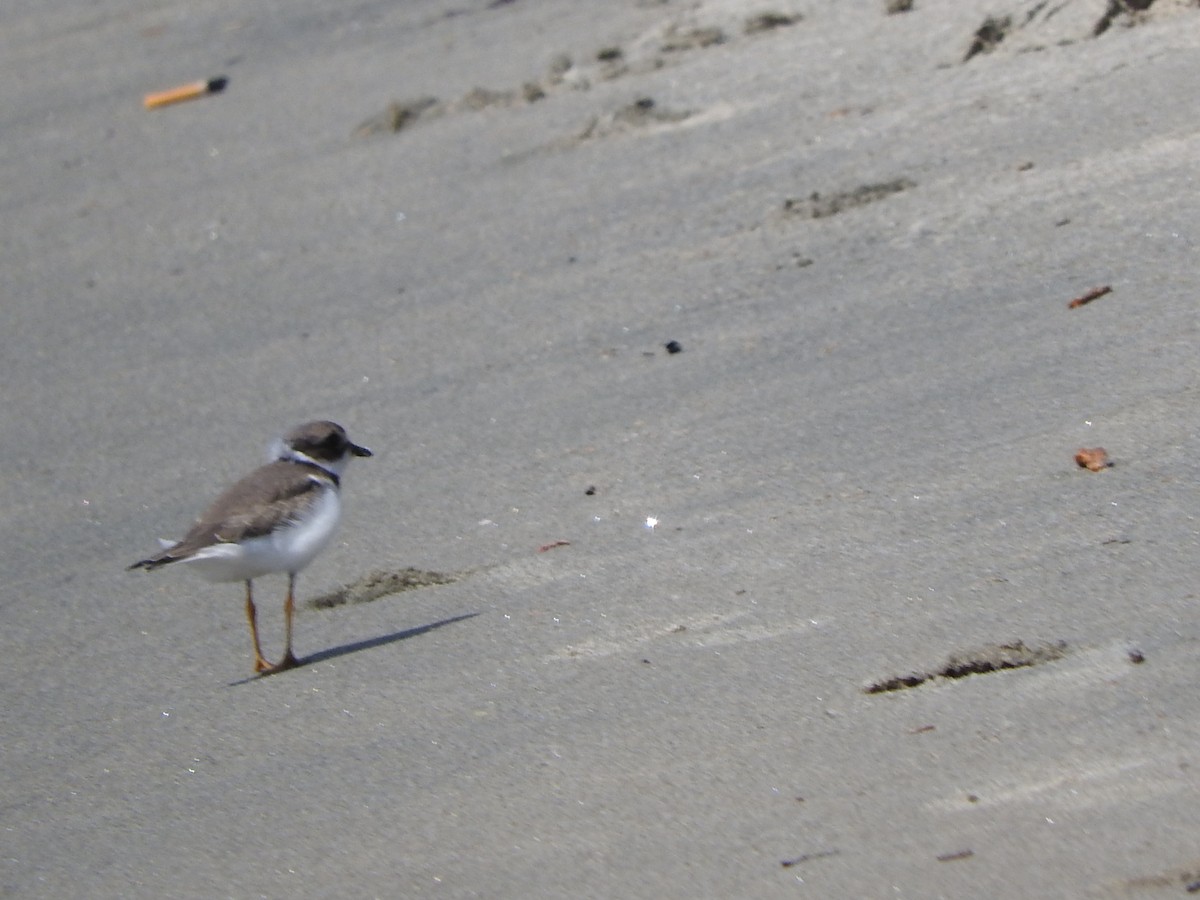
(360, 451)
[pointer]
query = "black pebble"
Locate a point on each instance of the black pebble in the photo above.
(673, 347)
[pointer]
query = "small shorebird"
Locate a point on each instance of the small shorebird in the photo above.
(276, 519)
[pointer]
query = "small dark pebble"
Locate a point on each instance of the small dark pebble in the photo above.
(673, 347)
(1193, 887)
(1136, 656)
(591, 491)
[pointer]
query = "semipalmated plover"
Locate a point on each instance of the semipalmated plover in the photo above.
(276, 519)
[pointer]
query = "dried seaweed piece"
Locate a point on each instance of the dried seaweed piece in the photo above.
(998, 657)
(381, 584)
(980, 661)
(816, 206)
(898, 683)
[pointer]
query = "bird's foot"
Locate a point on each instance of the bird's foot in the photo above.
(288, 662)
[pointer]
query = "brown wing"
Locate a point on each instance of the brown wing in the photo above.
(250, 508)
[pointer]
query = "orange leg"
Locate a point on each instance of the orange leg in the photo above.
(260, 664)
(289, 660)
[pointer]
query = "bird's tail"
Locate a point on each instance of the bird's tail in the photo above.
(152, 563)
(159, 559)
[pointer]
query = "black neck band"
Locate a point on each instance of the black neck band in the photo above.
(309, 464)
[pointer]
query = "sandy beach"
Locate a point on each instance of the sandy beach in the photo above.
(813, 602)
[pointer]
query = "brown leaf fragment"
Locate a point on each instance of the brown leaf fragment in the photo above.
(1094, 459)
(1091, 295)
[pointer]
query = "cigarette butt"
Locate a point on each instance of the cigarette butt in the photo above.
(185, 92)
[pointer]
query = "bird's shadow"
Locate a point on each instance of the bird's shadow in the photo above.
(356, 646)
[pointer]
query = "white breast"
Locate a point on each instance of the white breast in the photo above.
(288, 548)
